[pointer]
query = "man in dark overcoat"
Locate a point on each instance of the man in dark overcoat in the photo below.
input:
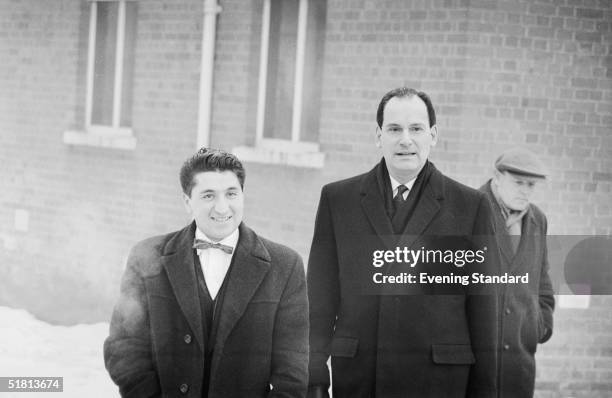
(415, 343)
(212, 310)
(526, 316)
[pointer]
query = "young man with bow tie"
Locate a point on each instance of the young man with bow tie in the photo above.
(212, 310)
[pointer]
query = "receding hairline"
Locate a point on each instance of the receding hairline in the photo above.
(409, 97)
(406, 92)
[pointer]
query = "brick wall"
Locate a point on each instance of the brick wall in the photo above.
(534, 73)
(501, 73)
(87, 205)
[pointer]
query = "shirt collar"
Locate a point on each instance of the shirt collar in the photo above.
(395, 183)
(229, 240)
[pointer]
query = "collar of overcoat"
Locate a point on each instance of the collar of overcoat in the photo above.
(373, 204)
(529, 226)
(250, 264)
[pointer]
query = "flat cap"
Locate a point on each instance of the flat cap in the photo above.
(521, 161)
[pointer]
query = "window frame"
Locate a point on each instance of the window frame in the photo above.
(289, 152)
(114, 127)
(298, 81)
(96, 135)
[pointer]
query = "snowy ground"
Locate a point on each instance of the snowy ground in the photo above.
(29, 347)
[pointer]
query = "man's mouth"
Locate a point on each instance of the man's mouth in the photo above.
(405, 153)
(220, 219)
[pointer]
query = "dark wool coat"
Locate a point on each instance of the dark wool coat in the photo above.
(526, 316)
(413, 343)
(156, 347)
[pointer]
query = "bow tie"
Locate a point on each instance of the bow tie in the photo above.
(203, 245)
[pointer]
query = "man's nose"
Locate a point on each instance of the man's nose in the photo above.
(221, 205)
(405, 138)
(526, 190)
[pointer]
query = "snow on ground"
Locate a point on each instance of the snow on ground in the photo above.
(29, 347)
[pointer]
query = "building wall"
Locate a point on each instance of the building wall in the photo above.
(88, 205)
(501, 73)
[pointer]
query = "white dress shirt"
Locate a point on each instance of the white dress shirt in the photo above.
(395, 184)
(216, 262)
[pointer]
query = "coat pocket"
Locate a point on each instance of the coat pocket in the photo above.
(452, 354)
(344, 347)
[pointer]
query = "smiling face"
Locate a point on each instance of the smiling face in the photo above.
(515, 190)
(216, 203)
(406, 137)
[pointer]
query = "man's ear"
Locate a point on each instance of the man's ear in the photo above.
(377, 137)
(496, 176)
(434, 134)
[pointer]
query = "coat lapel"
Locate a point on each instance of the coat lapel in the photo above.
(503, 239)
(426, 209)
(373, 204)
(250, 265)
(525, 248)
(427, 206)
(178, 263)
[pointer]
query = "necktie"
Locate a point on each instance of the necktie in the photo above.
(203, 245)
(399, 197)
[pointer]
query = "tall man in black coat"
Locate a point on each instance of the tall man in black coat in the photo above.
(212, 310)
(416, 343)
(526, 318)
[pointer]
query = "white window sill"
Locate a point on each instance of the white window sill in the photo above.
(297, 154)
(102, 137)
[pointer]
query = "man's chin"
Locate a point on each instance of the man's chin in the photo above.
(405, 168)
(519, 207)
(218, 234)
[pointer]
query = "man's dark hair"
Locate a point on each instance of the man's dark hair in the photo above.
(208, 159)
(405, 92)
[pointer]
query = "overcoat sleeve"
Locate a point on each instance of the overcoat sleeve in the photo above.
(546, 294)
(127, 351)
(289, 373)
(323, 293)
(482, 310)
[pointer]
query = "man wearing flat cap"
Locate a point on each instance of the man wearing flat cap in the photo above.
(526, 316)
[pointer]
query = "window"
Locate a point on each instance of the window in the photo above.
(289, 88)
(109, 81)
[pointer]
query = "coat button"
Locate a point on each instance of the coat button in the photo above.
(506, 347)
(184, 388)
(187, 339)
(508, 311)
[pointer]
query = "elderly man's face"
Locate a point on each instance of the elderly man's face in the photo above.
(515, 190)
(406, 137)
